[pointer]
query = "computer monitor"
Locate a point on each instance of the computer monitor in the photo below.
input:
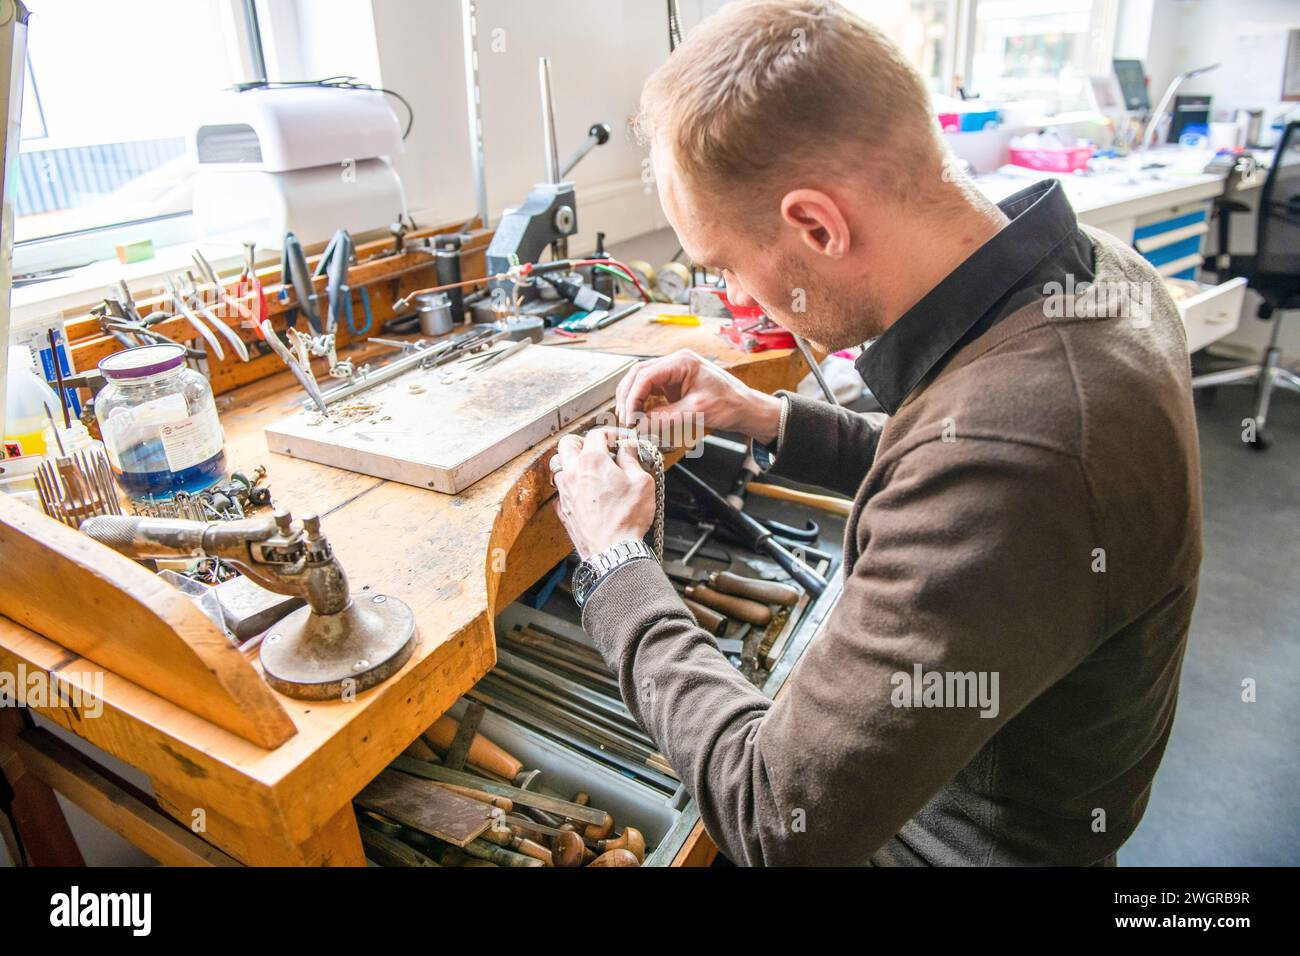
(1133, 84)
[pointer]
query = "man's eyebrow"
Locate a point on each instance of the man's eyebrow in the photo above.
(703, 262)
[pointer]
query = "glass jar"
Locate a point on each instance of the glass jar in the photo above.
(159, 424)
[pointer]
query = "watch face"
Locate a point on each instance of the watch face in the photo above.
(583, 578)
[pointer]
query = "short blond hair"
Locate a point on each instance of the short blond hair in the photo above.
(765, 86)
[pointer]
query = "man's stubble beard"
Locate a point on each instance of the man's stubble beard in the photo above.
(835, 316)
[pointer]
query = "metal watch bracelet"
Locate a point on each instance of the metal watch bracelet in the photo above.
(599, 566)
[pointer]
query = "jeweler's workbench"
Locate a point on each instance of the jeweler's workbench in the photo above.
(455, 560)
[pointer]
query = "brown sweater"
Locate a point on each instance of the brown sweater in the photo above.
(1030, 514)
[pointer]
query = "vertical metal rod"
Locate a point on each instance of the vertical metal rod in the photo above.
(13, 53)
(473, 100)
(816, 369)
(548, 121)
(255, 40)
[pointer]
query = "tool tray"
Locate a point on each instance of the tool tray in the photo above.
(667, 819)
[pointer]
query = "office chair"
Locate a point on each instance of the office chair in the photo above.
(1274, 272)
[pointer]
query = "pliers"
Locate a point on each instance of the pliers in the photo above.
(249, 286)
(334, 262)
(230, 299)
(302, 373)
(294, 272)
(119, 318)
(194, 301)
(183, 309)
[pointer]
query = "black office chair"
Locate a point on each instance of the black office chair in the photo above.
(1274, 272)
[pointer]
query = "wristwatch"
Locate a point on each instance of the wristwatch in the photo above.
(593, 570)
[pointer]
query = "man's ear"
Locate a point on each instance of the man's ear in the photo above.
(820, 222)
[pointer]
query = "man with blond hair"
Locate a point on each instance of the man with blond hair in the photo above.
(997, 682)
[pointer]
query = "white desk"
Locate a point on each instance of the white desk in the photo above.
(1123, 199)
(1116, 199)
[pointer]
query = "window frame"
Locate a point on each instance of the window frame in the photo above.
(1102, 31)
(55, 255)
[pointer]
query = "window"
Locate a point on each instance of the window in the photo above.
(1040, 51)
(923, 29)
(112, 94)
(1002, 49)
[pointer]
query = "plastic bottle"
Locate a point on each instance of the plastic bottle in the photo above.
(27, 396)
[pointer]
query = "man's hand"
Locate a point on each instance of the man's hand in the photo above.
(602, 501)
(693, 386)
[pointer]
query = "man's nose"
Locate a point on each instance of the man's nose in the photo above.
(736, 292)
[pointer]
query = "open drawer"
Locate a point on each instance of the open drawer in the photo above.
(1209, 311)
(667, 821)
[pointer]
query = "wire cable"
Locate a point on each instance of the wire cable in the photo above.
(334, 83)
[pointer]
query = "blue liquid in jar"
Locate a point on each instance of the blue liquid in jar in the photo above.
(145, 475)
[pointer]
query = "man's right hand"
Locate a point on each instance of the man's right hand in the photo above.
(693, 386)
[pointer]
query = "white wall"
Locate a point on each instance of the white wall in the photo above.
(601, 52)
(1189, 33)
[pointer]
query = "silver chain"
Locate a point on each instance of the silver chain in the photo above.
(652, 460)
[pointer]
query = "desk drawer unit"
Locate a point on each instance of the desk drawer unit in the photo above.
(1172, 240)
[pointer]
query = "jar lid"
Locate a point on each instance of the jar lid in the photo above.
(143, 361)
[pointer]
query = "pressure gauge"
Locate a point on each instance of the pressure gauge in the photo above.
(643, 271)
(674, 282)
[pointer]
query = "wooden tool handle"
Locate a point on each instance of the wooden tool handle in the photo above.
(482, 752)
(630, 839)
(764, 592)
(615, 858)
(742, 609)
(503, 857)
(599, 831)
(837, 506)
(504, 803)
(567, 849)
(528, 847)
(710, 620)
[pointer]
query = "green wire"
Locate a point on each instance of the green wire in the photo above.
(613, 270)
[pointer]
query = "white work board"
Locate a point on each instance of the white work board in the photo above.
(445, 428)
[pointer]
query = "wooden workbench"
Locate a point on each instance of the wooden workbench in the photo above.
(455, 560)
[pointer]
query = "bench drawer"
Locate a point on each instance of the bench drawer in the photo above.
(1209, 311)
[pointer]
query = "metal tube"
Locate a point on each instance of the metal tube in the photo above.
(548, 121)
(592, 699)
(473, 100)
(566, 702)
(1153, 125)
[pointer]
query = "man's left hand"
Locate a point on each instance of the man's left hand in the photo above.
(603, 500)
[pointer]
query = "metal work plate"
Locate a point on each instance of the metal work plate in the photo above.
(426, 807)
(444, 428)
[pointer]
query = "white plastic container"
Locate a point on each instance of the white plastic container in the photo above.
(26, 398)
